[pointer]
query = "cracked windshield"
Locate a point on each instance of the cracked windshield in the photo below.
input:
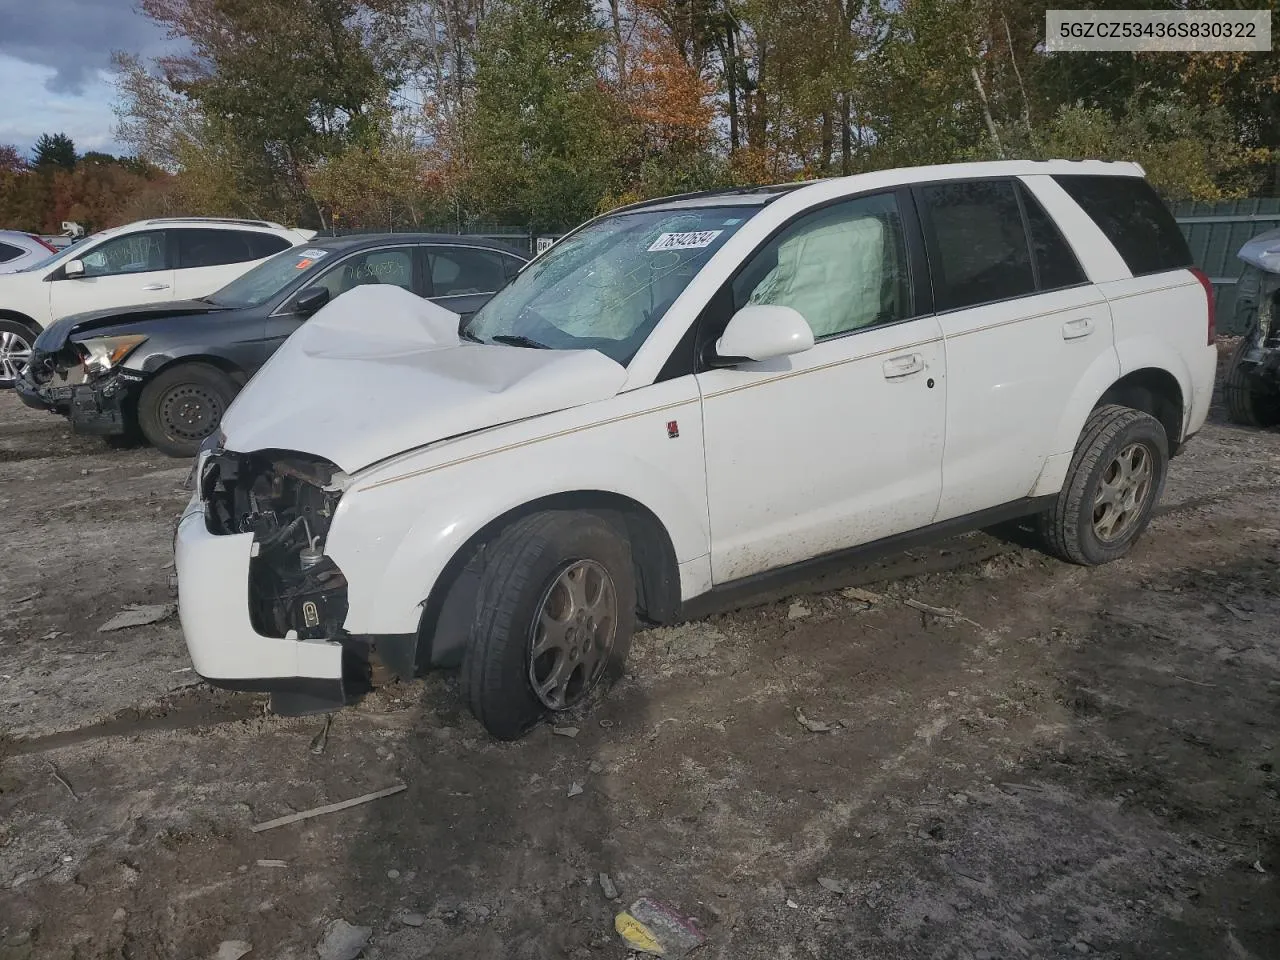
(607, 286)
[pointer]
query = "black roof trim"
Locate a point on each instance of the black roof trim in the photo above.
(772, 190)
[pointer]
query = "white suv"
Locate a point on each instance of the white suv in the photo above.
(145, 262)
(681, 395)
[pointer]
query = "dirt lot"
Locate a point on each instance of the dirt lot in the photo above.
(1083, 763)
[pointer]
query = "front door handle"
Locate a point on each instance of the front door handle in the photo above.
(1077, 328)
(903, 366)
(156, 286)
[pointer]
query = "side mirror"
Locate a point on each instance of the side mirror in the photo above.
(760, 332)
(73, 268)
(310, 300)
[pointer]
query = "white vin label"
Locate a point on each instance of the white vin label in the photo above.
(1074, 31)
(685, 241)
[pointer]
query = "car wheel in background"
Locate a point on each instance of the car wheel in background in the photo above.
(182, 405)
(1247, 402)
(15, 351)
(555, 611)
(1113, 484)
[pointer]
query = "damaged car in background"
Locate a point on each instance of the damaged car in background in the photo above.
(1251, 386)
(170, 370)
(678, 398)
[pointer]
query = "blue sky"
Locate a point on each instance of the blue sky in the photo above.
(55, 58)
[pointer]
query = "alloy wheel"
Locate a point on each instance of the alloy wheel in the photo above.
(1122, 492)
(15, 354)
(573, 634)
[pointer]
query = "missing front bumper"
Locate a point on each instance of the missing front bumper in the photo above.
(97, 408)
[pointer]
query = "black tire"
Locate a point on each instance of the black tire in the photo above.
(182, 405)
(1248, 403)
(1067, 529)
(520, 569)
(15, 338)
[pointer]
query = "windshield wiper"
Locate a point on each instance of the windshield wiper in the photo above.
(514, 340)
(468, 335)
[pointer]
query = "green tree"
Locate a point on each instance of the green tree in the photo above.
(544, 133)
(54, 150)
(268, 88)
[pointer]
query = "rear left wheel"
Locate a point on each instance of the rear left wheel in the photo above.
(1112, 486)
(182, 405)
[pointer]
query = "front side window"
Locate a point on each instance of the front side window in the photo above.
(606, 286)
(393, 266)
(843, 267)
(458, 271)
(977, 245)
(132, 253)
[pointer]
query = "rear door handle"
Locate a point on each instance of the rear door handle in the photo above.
(156, 286)
(903, 366)
(1077, 328)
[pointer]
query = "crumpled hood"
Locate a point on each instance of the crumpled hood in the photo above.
(1263, 251)
(379, 371)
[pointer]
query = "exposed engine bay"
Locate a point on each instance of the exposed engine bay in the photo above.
(287, 501)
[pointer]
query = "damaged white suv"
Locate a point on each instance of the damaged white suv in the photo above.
(683, 394)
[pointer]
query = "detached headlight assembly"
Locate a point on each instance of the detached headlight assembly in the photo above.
(101, 354)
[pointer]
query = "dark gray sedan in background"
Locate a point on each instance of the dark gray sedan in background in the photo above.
(170, 370)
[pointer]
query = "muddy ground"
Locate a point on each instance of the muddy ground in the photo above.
(1083, 763)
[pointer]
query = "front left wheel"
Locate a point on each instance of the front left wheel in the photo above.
(555, 611)
(182, 405)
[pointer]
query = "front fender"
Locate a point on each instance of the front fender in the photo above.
(398, 525)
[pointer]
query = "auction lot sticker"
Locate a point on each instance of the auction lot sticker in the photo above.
(685, 241)
(1100, 31)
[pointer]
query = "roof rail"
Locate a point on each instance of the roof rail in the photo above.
(236, 220)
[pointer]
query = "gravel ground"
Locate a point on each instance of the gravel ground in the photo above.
(1081, 762)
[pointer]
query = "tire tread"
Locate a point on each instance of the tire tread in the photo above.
(1059, 526)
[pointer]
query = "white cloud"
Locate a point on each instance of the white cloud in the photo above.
(29, 107)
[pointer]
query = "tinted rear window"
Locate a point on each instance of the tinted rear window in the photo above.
(215, 248)
(265, 244)
(8, 252)
(1134, 219)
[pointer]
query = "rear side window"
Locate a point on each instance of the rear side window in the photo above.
(977, 245)
(513, 265)
(214, 248)
(265, 244)
(1137, 223)
(9, 252)
(1056, 265)
(457, 271)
